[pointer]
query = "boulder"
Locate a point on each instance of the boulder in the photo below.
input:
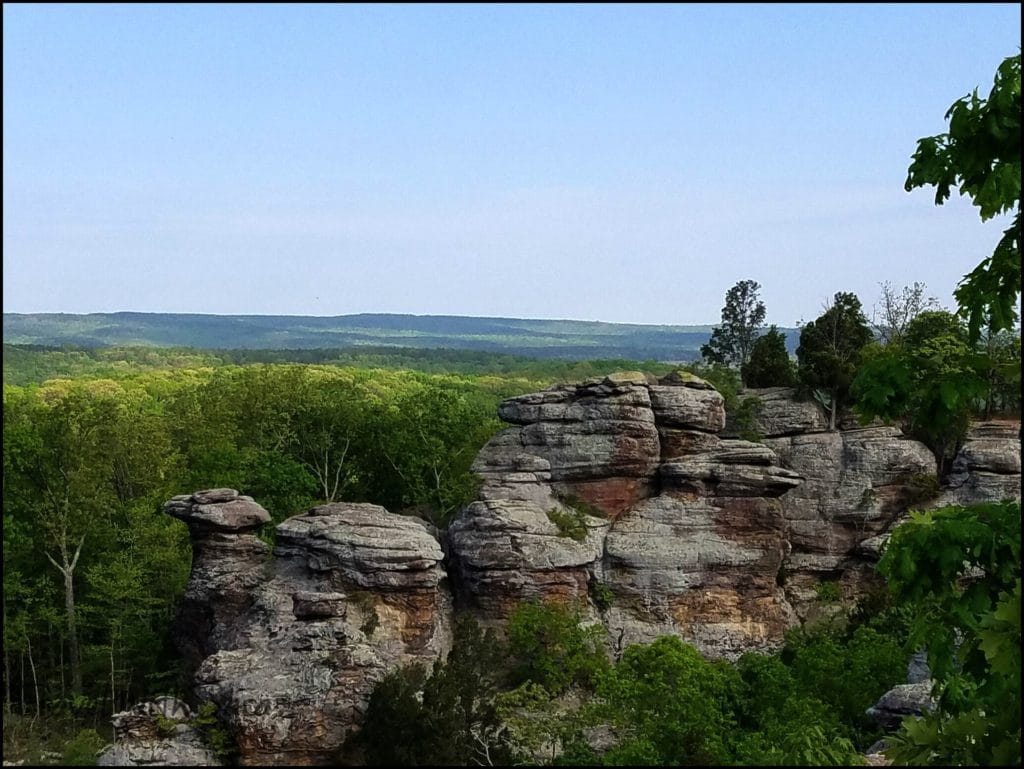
(902, 701)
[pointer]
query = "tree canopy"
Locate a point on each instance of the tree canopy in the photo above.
(830, 349)
(742, 320)
(980, 154)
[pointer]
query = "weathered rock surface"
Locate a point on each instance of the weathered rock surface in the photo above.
(141, 740)
(779, 413)
(901, 701)
(350, 592)
(987, 467)
(688, 531)
(509, 551)
(227, 568)
(858, 482)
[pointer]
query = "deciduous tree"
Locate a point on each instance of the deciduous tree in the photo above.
(742, 321)
(980, 155)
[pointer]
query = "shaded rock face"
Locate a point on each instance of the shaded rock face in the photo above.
(987, 467)
(682, 528)
(858, 480)
(141, 740)
(350, 592)
(859, 483)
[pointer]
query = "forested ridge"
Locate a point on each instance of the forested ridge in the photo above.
(566, 339)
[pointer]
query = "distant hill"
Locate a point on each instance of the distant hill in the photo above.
(569, 339)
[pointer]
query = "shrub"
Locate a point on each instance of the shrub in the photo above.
(601, 595)
(920, 488)
(549, 646)
(828, 592)
(745, 416)
(571, 524)
(213, 732)
(579, 504)
(81, 750)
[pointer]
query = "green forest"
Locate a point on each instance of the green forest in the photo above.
(95, 440)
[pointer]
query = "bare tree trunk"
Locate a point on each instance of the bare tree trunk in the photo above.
(67, 569)
(35, 682)
(7, 667)
(832, 411)
(113, 690)
(21, 656)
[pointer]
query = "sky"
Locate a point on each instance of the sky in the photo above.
(623, 163)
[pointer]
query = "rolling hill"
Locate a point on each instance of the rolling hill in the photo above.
(570, 339)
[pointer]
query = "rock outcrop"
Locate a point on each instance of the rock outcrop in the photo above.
(987, 467)
(622, 483)
(858, 481)
(156, 734)
(350, 592)
(626, 494)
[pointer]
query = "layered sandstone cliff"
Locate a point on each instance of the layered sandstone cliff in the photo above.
(626, 495)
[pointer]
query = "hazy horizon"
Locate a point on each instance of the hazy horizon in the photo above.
(607, 163)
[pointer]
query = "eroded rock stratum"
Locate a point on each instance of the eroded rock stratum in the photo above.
(621, 494)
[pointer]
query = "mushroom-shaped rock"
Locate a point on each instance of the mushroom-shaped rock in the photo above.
(218, 510)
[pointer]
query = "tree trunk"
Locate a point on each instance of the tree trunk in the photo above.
(834, 407)
(67, 569)
(35, 681)
(7, 667)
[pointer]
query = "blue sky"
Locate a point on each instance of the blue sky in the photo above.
(597, 162)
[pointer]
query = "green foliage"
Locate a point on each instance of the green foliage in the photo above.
(549, 646)
(579, 504)
(847, 670)
(447, 718)
(364, 602)
(671, 705)
(980, 154)
(769, 364)
(724, 379)
(930, 383)
(958, 571)
(920, 489)
(213, 732)
(165, 727)
(830, 349)
(828, 592)
(742, 319)
(571, 523)
(745, 417)
(601, 594)
(82, 750)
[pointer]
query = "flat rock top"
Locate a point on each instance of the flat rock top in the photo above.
(218, 510)
(348, 527)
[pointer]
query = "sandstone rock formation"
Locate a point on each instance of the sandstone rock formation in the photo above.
(859, 479)
(156, 734)
(292, 644)
(626, 494)
(987, 467)
(682, 529)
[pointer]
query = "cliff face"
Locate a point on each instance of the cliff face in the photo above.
(680, 530)
(619, 494)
